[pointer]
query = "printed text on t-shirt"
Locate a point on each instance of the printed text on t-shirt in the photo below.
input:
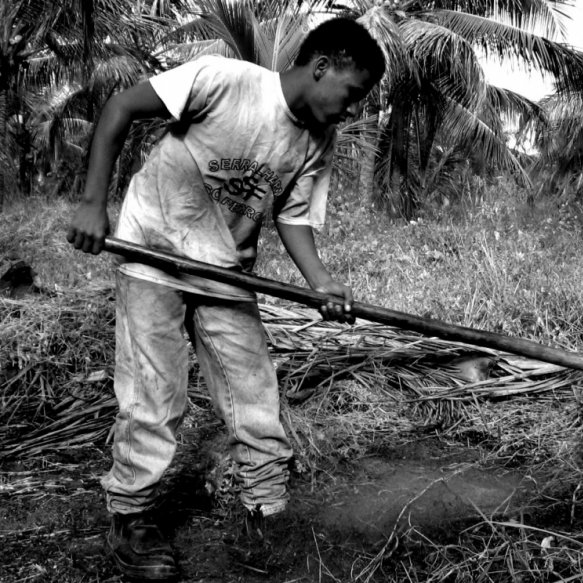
(238, 208)
(255, 170)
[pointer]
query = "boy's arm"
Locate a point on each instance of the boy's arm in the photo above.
(299, 243)
(90, 224)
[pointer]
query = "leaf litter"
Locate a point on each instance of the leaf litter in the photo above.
(345, 391)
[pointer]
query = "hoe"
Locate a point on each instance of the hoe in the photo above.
(425, 326)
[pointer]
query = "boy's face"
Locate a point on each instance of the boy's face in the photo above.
(334, 93)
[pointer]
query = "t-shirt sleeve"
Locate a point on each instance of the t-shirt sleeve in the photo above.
(306, 203)
(188, 90)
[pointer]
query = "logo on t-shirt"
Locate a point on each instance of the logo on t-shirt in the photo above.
(252, 169)
(246, 187)
(251, 186)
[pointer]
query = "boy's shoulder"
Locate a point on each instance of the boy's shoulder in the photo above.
(227, 65)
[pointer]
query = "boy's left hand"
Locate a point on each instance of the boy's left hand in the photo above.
(338, 310)
(299, 242)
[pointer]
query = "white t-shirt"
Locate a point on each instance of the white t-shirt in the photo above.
(232, 152)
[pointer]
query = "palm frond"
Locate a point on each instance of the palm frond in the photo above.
(525, 14)
(356, 142)
(317, 362)
(445, 176)
(268, 34)
(116, 71)
(512, 104)
(503, 107)
(286, 34)
(360, 132)
(381, 26)
(509, 42)
(446, 57)
(192, 27)
(59, 119)
(113, 19)
(181, 53)
(559, 142)
(234, 23)
(467, 128)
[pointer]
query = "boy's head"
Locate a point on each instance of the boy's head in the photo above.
(347, 44)
(342, 62)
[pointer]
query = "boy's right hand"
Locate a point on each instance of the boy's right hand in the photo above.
(90, 224)
(89, 227)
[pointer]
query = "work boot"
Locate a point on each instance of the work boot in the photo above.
(139, 548)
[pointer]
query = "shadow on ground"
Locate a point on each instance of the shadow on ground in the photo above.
(54, 521)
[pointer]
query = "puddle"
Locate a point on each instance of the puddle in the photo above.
(420, 493)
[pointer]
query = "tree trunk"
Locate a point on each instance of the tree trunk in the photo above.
(394, 194)
(366, 178)
(366, 183)
(25, 157)
(397, 207)
(367, 170)
(425, 144)
(3, 144)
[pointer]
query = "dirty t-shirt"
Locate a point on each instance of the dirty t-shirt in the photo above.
(232, 152)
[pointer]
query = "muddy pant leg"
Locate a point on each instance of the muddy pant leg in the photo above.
(150, 385)
(232, 352)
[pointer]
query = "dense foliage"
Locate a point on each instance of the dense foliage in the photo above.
(432, 128)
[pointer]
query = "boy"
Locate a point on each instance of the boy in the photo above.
(242, 140)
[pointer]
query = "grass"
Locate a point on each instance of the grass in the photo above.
(35, 231)
(501, 266)
(509, 269)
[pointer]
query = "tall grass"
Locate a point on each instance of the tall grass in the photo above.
(501, 265)
(35, 231)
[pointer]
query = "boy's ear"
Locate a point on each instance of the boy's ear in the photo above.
(320, 65)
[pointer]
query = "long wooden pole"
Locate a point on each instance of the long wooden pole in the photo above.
(426, 326)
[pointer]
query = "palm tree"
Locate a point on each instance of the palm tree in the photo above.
(267, 33)
(14, 38)
(558, 140)
(435, 95)
(433, 106)
(59, 61)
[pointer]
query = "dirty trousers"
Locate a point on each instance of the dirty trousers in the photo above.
(150, 384)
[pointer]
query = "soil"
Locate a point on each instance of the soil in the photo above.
(53, 519)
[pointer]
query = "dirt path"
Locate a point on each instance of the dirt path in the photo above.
(342, 519)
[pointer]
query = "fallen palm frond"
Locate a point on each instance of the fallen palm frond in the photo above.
(350, 387)
(55, 368)
(342, 385)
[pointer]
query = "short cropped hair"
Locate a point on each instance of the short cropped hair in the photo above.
(346, 43)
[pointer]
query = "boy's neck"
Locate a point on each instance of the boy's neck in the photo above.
(293, 84)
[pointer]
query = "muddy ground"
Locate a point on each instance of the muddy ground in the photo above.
(342, 516)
